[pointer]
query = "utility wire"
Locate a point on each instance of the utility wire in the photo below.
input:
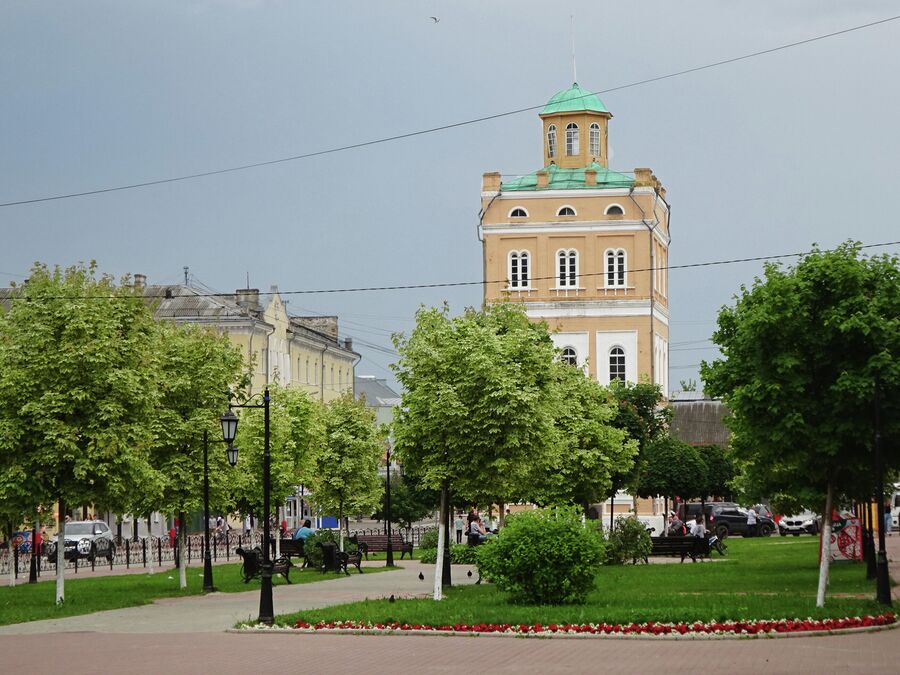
(453, 284)
(444, 127)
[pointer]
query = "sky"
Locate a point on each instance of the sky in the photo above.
(761, 157)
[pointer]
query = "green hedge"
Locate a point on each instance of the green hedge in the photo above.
(460, 554)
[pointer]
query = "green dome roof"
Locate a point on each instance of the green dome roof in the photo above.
(574, 99)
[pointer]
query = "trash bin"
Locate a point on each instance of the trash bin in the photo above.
(329, 557)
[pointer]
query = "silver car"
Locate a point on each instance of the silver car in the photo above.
(802, 523)
(88, 539)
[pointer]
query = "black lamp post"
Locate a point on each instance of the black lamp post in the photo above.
(387, 496)
(266, 608)
(882, 580)
(229, 422)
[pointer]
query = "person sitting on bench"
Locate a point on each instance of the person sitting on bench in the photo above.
(305, 531)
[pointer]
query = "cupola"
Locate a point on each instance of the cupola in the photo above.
(575, 125)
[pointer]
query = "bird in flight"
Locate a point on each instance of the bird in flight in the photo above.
(434, 18)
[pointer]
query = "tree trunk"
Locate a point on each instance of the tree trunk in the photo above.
(182, 567)
(278, 534)
(826, 548)
(341, 525)
(665, 532)
(12, 556)
(61, 555)
(502, 518)
(150, 544)
(439, 563)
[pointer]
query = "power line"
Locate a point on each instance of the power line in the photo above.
(456, 284)
(444, 127)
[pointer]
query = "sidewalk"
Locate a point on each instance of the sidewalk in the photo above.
(219, 611)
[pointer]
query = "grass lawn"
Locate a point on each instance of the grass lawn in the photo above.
(31, 602)
(769, 578)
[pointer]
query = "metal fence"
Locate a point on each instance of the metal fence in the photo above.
(155, 551)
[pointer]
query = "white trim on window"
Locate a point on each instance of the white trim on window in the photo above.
(559, 211)
(609, 208)
(518, 266)
(567, 268)
(551, 140)
(615, 272)
(617, 369)
(573, 142)
(594, 139)
(512, 212)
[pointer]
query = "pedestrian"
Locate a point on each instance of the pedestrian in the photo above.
(698, 532)
(284, 528)
(459, 524)
(887, 520)
(248, 525)
(751, 522)
(220, 523)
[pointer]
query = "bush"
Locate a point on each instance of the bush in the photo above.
(460, 554)
(629, 540)
(314, 553)
(546, 556)
(429, 539)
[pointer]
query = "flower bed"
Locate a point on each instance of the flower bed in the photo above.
(723, 628)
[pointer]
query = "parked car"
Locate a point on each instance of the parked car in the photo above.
(726, 518)
(805, 522)
(87, 539)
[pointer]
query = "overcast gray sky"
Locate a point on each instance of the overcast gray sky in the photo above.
(761, 157)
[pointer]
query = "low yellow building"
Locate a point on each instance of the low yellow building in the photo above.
(583, 247)
(295, 351)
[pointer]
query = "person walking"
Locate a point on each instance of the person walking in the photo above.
(751, 522)
(459, 524)
(698, 532)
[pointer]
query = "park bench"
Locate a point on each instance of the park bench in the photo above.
(294, 548)
(684, 546)
(339, 560)
(252, 564)
(377, 543)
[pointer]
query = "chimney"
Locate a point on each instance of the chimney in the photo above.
(543, 178)
(490, 182)
(348, 344)
(140, 280)
(327, 325)
(643, 178)
(248, 298)
(590, 177)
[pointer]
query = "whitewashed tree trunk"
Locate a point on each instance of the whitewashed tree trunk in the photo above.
(278, 535)
(182, 560)
(341, 526)
(61, 557)
(826, 548)
(439, 563)
(12, 561)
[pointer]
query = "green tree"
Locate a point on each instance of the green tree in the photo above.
(195, 368)
(592, 451)
(720, 471)
(478, 404)
(671, 468)
(800, 352)
(641, 414)
(410, 502)
(296, 434)
(77, 395)
(346, 478)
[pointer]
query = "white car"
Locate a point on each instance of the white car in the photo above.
(806, 522)
(88, 539)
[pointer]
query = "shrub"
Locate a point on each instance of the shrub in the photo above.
(460, 554)
(629, 540)
(429, 539)
(547, 556)
(314, 553)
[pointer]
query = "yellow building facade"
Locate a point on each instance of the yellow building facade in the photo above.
(295, 351)
(583, 247)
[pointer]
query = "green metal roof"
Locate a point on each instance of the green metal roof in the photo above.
(574, 99)
(570, 179)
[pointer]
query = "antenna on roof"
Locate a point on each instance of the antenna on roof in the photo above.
(574, 68)
(186, 273)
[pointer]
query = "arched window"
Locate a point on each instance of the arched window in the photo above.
(616, 364)
(551, 140)
(567, 268)
(565, 211)
(595, 140)
(572, 146)
(569, 356)
(519, 269)
(614, 210)
(615, 267)
(518, 212)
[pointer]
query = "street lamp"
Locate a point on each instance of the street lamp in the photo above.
(231, 453)
(390, 546)
(229, 431)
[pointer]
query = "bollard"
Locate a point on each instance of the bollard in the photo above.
(227, 548)
(93, 563)
(159, 550)
(189, 551)
(16, 562)
(111, 559)
(76, 561)
(215, 547)
(144, 550)
(128, 554)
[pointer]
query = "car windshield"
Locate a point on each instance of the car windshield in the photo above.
(79, 528)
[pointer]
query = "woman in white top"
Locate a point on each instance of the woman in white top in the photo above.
(698, 532)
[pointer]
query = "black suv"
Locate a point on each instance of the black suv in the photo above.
(725, 518)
